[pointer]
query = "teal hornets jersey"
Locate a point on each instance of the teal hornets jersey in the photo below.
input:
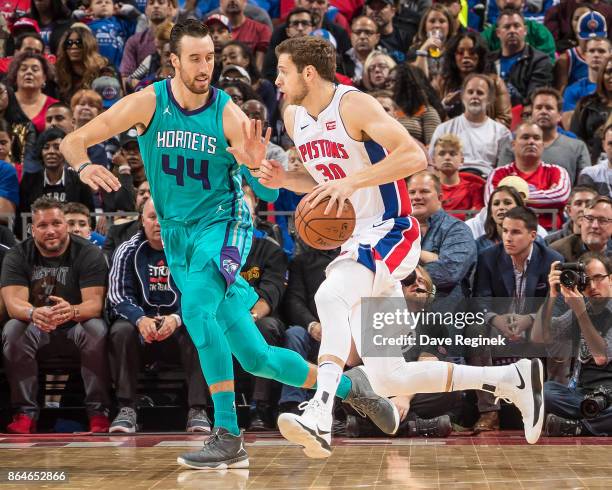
(192, 176)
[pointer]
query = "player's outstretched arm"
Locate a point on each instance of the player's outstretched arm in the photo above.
(134, 110)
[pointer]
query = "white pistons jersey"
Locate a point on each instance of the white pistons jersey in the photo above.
(384, 231)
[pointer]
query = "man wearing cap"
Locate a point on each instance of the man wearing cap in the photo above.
(235, 72)
(395, 39)
(220, 31)
(597, 50)
(538, 36)
(142, 44)
(252, 33)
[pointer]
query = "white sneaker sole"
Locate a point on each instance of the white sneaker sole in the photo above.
(124, 430)
(294, 431)
(218, 466)
(534, 380)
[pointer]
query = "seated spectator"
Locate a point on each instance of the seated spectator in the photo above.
(481, 135)
(238, 90)
(56, 179)
(306, 273)
(221, 33)
(265, 270)
(121, 232)
(376, 72)
(550, 184)
(54, 287)
(537, 36)
(595, 232)
(578, 200)
(571, 65)
(592, 111)
(460, 190)
(364, 40)
(29, 42)
(599, 176)
(111, 27)
(78, 218)
(254, 34)
(503, 199)
(28, 74)
(9, 180)
(53, 18)
(569, 153)
(417, 115)
(142, 44)
(448, 250)
(521, 66)
(514, 272)
(256, 110)
(87, 104)
(145, 305)
(581, 322)
(437, 26)
(79, 61)
(238, 54)
(466, 53)
(395, 34)
(597, 50)
(129, 167)
(59, 115)
(21, 128)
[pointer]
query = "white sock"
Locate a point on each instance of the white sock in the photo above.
(328, 379)
(481, 377)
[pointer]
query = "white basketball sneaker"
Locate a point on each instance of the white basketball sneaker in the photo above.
(525, 389)
(311, 429)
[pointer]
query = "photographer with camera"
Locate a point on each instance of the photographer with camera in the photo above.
(145, 306)
(578, 312)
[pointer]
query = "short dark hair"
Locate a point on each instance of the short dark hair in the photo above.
(76, 208)
(581, 188)
(60, 105)
(311, 51)
(598, 200)
(22, 37)
(589, 257)
(596, 39)
(44, 203)
(553, 92)
(524, 214)
(44, 138)
(509, 12)
(189, 27)
(300, 10)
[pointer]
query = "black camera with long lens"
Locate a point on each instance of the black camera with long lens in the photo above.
(573, 275)
(595, 403)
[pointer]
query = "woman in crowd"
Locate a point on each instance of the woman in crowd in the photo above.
(437, 26)
(53, 17)
(22, 130)
(239, 54)
(28, 75)
(418, 116)
(79, 62)
(593, 110)
(6, 143)
(377, 72)
(502, 200)
(467, 53)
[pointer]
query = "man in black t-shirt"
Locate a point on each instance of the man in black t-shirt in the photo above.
(53, 285)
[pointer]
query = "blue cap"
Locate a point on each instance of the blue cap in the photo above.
(592, 24)
(325, 34)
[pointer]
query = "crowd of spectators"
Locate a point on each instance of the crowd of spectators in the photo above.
(511, 99)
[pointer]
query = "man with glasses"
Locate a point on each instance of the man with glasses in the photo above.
(364, 40)
(579, 317)
(595, 230)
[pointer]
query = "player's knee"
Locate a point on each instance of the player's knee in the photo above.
(328, 296)
(259, 365)
(199, 324)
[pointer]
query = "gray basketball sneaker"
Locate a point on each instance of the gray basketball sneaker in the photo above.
(367, 403)
(222, 450)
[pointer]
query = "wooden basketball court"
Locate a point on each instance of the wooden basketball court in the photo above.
(496, 461)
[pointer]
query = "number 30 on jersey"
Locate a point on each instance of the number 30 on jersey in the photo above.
(331, 171)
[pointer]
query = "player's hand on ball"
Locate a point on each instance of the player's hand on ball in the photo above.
(97, 177)
(338, 191)
(253, 148)
(271, 174)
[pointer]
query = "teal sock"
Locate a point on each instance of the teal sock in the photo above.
(225, 411)
(344, 388)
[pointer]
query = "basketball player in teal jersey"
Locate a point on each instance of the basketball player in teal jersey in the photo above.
(185, 128)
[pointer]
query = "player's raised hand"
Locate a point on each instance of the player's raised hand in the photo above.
(338, 191)
(97, 177)
(271, 174)
(251, 150)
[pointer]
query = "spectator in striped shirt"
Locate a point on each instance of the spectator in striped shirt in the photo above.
(549, 184)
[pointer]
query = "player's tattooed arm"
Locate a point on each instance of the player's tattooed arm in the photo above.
(134, 110)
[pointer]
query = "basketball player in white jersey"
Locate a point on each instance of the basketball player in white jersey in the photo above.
(350, 148)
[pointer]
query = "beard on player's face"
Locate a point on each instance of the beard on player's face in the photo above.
(301, 91)
(193, 84)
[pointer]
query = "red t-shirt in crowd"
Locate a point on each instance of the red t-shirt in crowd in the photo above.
(254, 34)
(549, 188)
(467, 194)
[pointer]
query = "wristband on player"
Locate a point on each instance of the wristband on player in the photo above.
(83, 167)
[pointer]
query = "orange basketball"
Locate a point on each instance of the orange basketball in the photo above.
(324, 232)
